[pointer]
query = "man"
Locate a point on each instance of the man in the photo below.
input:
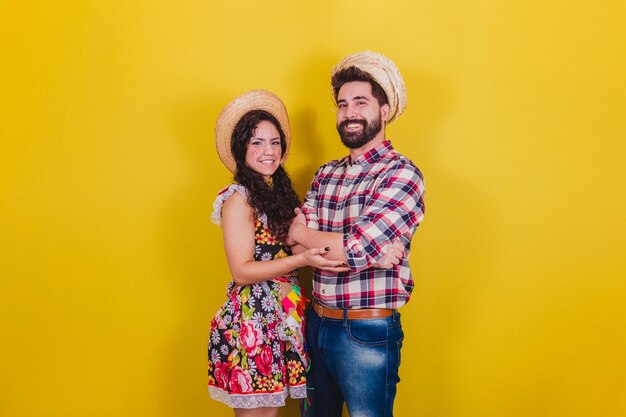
(365, 208)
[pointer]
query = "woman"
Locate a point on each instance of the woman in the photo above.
(256, 347)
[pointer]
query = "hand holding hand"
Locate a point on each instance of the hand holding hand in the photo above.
(315, 258)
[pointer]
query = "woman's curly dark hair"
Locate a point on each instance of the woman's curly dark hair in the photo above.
(278, 200)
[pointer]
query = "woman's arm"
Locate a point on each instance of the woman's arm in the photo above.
(306, 237)
(238, 228)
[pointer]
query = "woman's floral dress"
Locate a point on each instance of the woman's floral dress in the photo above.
(256, 352)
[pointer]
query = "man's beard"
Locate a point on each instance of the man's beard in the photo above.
(354, 140)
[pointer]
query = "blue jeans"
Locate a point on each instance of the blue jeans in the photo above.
(355, 361)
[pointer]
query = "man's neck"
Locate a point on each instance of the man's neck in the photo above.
(356, 152)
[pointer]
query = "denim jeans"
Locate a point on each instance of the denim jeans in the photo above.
(355, 361)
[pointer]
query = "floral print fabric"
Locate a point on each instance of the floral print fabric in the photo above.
(255, 359)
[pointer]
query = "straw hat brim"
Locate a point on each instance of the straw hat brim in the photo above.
(236, 109)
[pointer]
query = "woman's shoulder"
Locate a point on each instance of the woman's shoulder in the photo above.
(223, 195)
(231, 189)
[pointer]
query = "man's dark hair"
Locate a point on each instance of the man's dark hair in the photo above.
(351, 74)
(277, 201)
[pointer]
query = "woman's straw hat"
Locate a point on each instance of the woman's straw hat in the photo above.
(236, 109)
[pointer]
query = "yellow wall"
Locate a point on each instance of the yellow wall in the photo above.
(111, 269)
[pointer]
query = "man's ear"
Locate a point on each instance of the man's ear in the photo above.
(384, 112)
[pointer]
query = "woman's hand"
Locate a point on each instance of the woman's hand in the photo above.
(315, 259)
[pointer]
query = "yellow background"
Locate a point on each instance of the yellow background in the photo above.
(111, 270)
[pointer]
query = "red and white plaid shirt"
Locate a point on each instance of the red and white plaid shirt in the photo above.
(372, 201)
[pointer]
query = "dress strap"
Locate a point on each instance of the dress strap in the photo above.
(221, 198)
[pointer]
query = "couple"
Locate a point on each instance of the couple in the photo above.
(354, 229)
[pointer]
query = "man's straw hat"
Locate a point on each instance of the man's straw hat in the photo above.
(236, 109)
(384, 72)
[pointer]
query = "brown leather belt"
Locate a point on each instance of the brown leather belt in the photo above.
(366, 313)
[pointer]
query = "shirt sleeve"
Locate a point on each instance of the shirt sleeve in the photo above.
(309, 206)
(395, 209)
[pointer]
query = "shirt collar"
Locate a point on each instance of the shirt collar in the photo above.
(368, 157)
(373, 154)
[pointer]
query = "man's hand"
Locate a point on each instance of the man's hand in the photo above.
(392, 255)
(297, 222)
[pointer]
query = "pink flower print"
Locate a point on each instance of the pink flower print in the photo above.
(264, 360)
(240, 381)
(250, 338)
(228, 335)
(221, 374)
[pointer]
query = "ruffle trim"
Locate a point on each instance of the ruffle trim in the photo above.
(256, 400)
(223, 195)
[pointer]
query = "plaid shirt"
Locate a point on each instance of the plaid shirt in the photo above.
(372, 201)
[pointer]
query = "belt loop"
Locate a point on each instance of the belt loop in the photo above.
(395, 316)
(345, 317)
